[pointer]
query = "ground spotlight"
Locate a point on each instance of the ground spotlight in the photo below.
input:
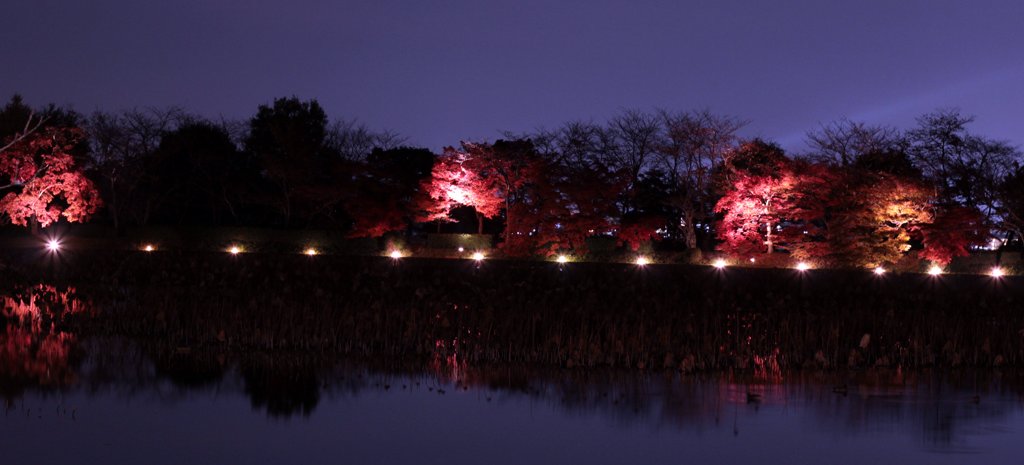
(311, 252)
(720, 264)
(879, 270)
(234, 250)
(562, 259)
(803, 266)
(148, 248)
(997, 272)
(935, 270)
(478, 256)
(395, 254)
(642, 261)
(53, 245)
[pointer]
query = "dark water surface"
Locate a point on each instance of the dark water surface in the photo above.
(450, 415)
(76, 398)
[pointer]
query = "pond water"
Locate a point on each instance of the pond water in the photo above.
(73, 398)
(136, 414)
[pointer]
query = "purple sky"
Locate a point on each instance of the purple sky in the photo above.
(442, 71)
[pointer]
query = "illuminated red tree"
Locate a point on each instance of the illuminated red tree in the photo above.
(462, 178)
(42, 182)
(490, 178)
(754, 211)
(951, 234)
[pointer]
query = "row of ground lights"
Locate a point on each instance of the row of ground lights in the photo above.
(53, 245)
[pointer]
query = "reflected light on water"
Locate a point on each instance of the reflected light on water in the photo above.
(33, 350)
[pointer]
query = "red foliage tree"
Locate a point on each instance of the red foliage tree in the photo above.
(462, 178)
(866, 214)
(753, 212)
(951, 234)
(635, 233)
(562, 208)
(805, 232)
(376, 209)
(860, 218)
(548, 207)
(42, 181)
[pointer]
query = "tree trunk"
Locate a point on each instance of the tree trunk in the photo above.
(690, 230)
(479, 223)
(771, 246)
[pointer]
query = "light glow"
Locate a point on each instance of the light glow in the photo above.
(562, 259)
(719, 264)
(642, 261)
(752, 260)
(478, 256)
(935, 270)
(53, 245)
(148, 248)
(235, 250)
(311, 252)
(879, 270)
(803, 266)
(395, 254)
(997, 272)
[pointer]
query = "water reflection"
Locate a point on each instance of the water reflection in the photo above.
(34, 349)
(942, 411)
(940, 408)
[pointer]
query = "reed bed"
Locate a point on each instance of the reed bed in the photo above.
(684, 318)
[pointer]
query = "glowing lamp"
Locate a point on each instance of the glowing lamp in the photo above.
(310, 251)
(719, 264)
(478, 256)
(395, 254)
(879, 270)
(462, 249)
(235, 250)
(149, 248)
(996, 272)
(935, 270)
(642, 261)
(562, 259)
(752, 260)
(53, 245)
(803, 266)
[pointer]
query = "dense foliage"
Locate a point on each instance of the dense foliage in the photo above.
(861, 196)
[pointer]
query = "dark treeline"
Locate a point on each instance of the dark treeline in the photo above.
(862, 194)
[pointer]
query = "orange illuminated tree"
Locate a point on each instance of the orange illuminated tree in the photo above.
(874, 221)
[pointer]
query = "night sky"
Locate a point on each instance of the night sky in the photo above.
(443, 71)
